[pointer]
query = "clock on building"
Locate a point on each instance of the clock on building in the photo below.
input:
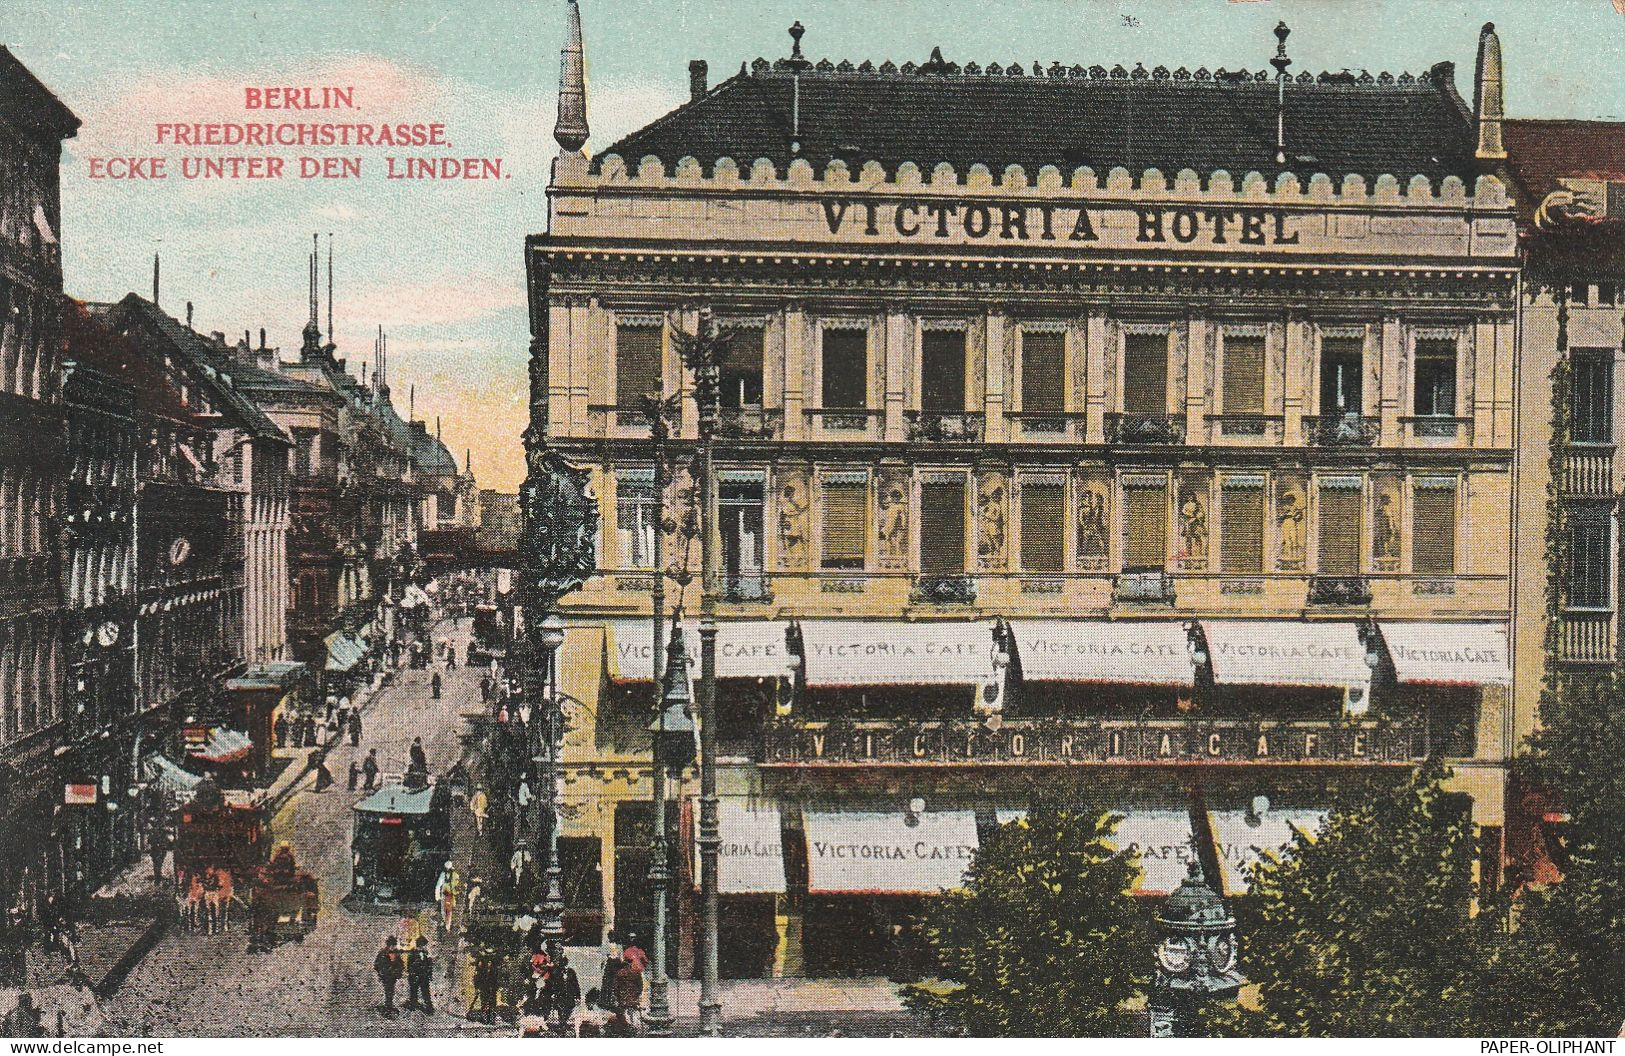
(179, 551)
(107, 634)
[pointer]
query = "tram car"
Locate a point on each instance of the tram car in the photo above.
(401, 840)
(490, 641)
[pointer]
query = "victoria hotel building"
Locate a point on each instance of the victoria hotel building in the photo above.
(1127, 439)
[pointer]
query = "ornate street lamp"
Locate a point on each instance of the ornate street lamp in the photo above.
(1196, 957)
(674, 732)
(703, 353)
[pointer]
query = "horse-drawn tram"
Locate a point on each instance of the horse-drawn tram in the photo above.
(402, 837)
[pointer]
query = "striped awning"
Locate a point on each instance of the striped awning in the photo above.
(223, 746)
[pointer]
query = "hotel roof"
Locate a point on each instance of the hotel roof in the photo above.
(1068, 117)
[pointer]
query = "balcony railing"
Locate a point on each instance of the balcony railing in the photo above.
(1061, 742)
(853, 419)
(1339, 590)
(746, 588)
(1145, 429)
(1152, 587)
(1340, 430)
(750, 423)
(1588, 471)
(1586, 637)
(1438, 427)
(938, 426)
(944, 590)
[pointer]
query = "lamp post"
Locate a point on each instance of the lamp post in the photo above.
(673, 730)
(1196, 956)
(702, 353)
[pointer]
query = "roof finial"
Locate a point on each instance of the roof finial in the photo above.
(1280, 62)
(312, 345)
(795, 38)
(570, 131)
(1487, 94)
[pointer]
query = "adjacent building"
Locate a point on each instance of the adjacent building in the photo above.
(33, 475)
(1138, 438)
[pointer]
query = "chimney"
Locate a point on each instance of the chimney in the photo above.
(570, 131)
(1487, 94)
(437, 427)
(696, 79)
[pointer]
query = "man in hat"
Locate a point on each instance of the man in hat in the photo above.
(389, 966)
(369, 769)
(419, 972)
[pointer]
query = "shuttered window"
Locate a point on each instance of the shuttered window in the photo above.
(1145, 374)
(1241, 529)
(1589, 569)
(942, 529)
(1145, 526)
(742, 367)
(1340, 377)
(1591, 396)
(846, 369)
(1043, 380)
(1435, 378)
(942, 371)
(1433, 530)
(846, 523)
(1043, 527)
(637, 363)
(1339, 530)
(1243, 375)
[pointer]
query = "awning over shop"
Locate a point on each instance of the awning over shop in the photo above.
(897, 653)
(344, 651)
(744, 650)
(1244, 838)
(751, 857)
(169, 777)
(1286, 653)
(856, 852)
(1151, 653)
(223, 746)
(1162, 837)
(1450, 654)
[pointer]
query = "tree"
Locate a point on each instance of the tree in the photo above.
(1044, 939)
(1366, 929)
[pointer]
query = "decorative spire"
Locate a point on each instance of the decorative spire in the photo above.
(1487, 95)
(312, 346)
(330, 331)
(1280, 62)
(571, 129)
(797, 60)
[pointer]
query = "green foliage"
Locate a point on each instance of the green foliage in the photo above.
(1044, 940)
(1365, 931)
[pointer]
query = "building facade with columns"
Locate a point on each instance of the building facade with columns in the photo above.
(1141, 439)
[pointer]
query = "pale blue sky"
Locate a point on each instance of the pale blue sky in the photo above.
(440, 266)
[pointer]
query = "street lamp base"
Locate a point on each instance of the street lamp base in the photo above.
(711, 1019)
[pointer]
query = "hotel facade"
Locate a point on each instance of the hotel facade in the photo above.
(1138, 440)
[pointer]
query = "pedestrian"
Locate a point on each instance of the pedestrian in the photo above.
(446, 890)
(310, 731)
(369, 768)
(389, 966)
(158, 848)
(629, 986)
(487, 976)
(419, 973)
(281, 730)
(355, 728)
(475, 889)
(485, 689)
(480, 805)
(434, 686)
(420, 761)
(324, 776)
(607, 989)
(24, 1021)
(563, 991)
(355, 774)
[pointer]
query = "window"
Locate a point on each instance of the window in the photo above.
(1145, 374)
(637, 363)
(1580, 295)
(1241, 527)
(846, 369)
(739, 507)
(1433, 528)
(942, 371)
(1591, 396)
(942, 528)
(742, 368)
(1145, 526)
(637, 516)
(1589, 567)
(1436, 378)
(1607, 294)
(1043, 372)
(846, 521)
(1243, 375)
(1043, 526)
(1340, 500)
(1340, 363)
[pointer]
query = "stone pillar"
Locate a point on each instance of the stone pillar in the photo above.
(1198, 339)
(1392, 380)
(1095, 394)
(897, 350)
(795, 356)
(997, 344)
(1296, 401)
